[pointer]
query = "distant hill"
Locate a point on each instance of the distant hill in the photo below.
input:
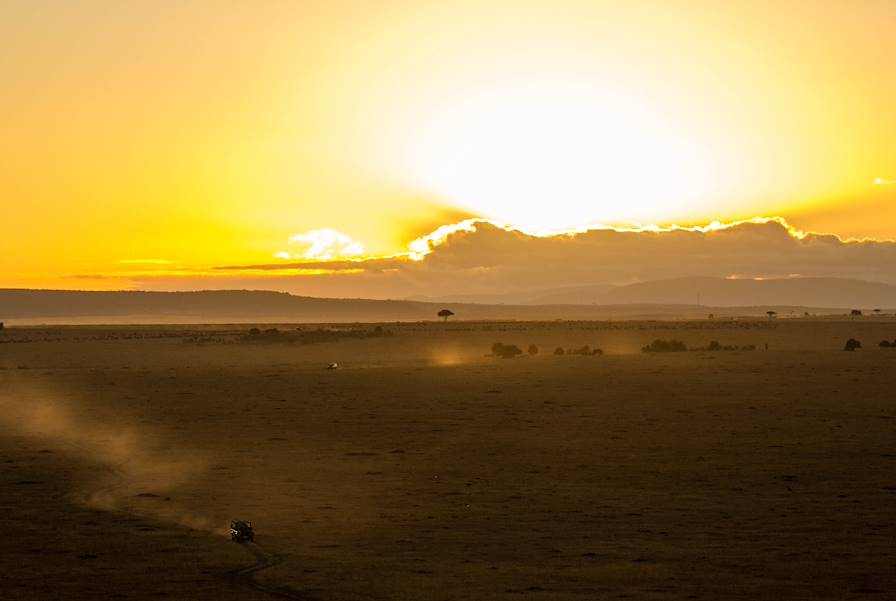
(719, 292)
(19, 306)
(816, 292)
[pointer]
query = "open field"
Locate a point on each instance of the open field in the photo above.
(423, 469)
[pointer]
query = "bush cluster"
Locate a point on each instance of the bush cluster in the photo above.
(585, 350)
(887, 344)
(317, 335)
(509, 351)
(665, 346)
(506, 351)
(852, 344)
(716, 346)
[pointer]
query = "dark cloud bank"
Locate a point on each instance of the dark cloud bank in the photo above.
(498, 265)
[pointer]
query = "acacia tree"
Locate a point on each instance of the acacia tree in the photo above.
(445, 314)
(771, 314)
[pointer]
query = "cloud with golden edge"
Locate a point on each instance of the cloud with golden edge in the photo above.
(487, 258)
(323, 245)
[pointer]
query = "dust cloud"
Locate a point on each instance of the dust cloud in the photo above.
(136, 473)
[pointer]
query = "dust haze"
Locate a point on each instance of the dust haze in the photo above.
(131, 471)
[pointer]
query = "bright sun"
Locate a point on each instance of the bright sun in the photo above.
(552, 155)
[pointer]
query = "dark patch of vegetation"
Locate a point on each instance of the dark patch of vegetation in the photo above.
(302, 336)
(715, 345)
(506, 351)
(533, 350)
(559, 351)
(852, 344)
(665, 346)
(586, 350)
(887, 344)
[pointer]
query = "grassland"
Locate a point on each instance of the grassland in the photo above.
(424, 469)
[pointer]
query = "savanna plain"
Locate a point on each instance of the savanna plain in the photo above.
(424, 469)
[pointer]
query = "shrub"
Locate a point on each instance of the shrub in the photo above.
(254, 332)
(885, 344)
(714, 346)
(506, 351)
(665, 346)
(533, 350)
(748, 347)
(558, 350)
(852, 344)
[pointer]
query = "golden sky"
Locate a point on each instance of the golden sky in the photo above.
(176, 136)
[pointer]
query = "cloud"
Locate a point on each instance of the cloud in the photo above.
(879, 181)
(486, 257)
(323, 245)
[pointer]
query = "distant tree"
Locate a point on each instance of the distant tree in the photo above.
(533, 350)
(855, 313)
(885, 344)
(506, 351)
(852, 344)
(254, 332)
(665, 346)
(711, 316)
(558, 350)
(771, 314)
(877, 310)
(714, 346)
(445, 314)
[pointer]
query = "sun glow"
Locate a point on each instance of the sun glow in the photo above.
(553, 154)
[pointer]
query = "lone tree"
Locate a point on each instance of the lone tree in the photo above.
(852, 344)
(855, 313)
(771, 314)
(445, 314)
(533, 350)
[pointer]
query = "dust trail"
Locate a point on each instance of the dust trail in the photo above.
(136, 472)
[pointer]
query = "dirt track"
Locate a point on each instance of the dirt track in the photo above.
(263, 561)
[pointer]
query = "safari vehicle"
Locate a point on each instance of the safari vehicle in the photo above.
(241, 530)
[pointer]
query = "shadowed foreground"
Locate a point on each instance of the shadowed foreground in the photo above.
(423, 470)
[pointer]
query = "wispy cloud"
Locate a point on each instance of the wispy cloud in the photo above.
(879, 181)
(144, 262)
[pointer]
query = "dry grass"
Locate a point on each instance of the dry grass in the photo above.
(422, 469)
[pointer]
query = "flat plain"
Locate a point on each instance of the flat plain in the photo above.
(422, 468)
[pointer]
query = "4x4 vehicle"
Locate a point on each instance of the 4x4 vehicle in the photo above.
(241, 530)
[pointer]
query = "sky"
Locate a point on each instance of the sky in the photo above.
(301, 146)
